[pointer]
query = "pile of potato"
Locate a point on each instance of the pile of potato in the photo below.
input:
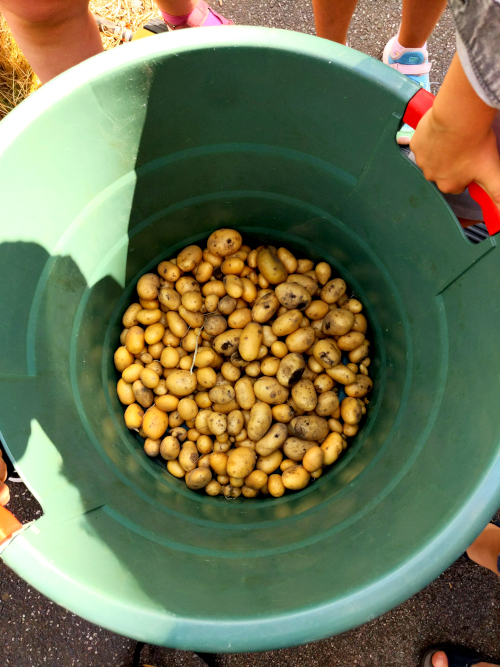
(238, 352)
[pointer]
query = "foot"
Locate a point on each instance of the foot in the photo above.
(202, 16)
(415, 64)
(440, 659)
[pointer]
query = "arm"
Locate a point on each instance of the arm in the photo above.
(454, 143)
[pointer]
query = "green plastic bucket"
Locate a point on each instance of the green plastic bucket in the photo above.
(120, 162)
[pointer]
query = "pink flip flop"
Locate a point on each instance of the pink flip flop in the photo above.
(198, 17)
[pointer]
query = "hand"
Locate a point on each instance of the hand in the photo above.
(4, 489)
(453, 159)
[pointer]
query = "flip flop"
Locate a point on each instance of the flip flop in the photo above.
(458, 656)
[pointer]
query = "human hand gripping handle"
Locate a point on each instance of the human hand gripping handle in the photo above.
(419, 104)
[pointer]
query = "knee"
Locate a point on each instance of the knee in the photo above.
(43, 13)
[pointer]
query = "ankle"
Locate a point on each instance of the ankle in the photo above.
(409, 40)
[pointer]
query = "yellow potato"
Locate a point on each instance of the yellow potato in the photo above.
(310, 285)
(332, 448)
(169, 448)
(350, 341)
(323, 272)
(132, 373)
(149, 378)
(192, 301)
(214, 287)
(225, 408)
(351, 410)
(224, 242)
(176, 324)
(134, 415)
(360, 353)
(304, 395)
(235, 422)
(223, 393)
(125, 392)
(207, 378)
(192, 319)
(265, 307)
(310, 427)
(154, 333)
(129, 318)
(250, 341)
(187, 409)
(293, 296)
(327, 353)
(123, 359)
(189, 258)
(203, 272)
(239, 318)
(231, 491)
(203, 461)
(143, 395)
(135, 340)
(260, 420)
(147, 286)
(169, 271)
(245, 395)
(270, 463)
(271, 267)
(206, 357)
(149, 305)
(361, 386)
(211, 304)
(360, 323)
(249, 290)
(283, 413)
(269, 366)
(287, 323)
(181, 383)
(279, 349)
(256, 480)
(333, 290)
(198, 478)
(175, 469)
(152, 447)
(295, 448)
(301, 339)
(273, 440)
(169, 299)
(295, 478)
(230, 371)
(233, 286)
(169, 357)
(213, 488)
(148, 317)
(313, 459)
(232, 266)
(288, 259)
(217, 423)
(341, 374)
(227, 342)
(201, 421)
(275, 486)
(328, 403)
(316, 310)
(188, 456)
(323, 382)
(241, 462)
(167, 403)
(155, 423)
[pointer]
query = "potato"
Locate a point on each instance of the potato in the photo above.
(217, 423)
(231, 491)
(360, 324)
(149, 305)
(295, 478)
(143, 395)
(333, 290)
(313, 459)
(323, 382)
(198, 478)
(222, 394)
(213, 488)
(351, 410)
(337, 322)
(269, 390)
(293, 296)
(256, 480)
(250, 341)
(270, 463)
(357, 355)
(155, 423)
(134, 341)
(295, 448)
(167, 403)
(187, 409)
(154, 333)
(125, 392)
(224, 242)
(271, 267)
(328, 402)
(189, 456)
(269, 366)
(316, 310)
(265, 307)
(273, 440)
(169, 271)
(245, 394)
(291, 369)
(169, 448)
(350, 341)
(301, 339)
(227, 342)
(169, 299)
(310, 427)
(192, 301)
(147, 286)
(287, 323)
(148, 317)
(260, 420)
(332, 447)
(169, 357)
(275, 486)
(230, 371)
(241, 462)
(203, 461)
(239, 318)
(211, 304)
(288, 259)
(175, 469)
(134, 415)
(132, 372)
(323, 272)
(279, 349)
(304, 395)
(306, 282)
(249, 290)
(361, 386)
(176, 324)
(227, 305)
(189, 258)
(181, 383)
(152, 447)
(341, 374)
(235, 422)
(326, 352)
(149, 378)
(129, 318)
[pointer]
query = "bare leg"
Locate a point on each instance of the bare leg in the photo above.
(332, 18)
(486, 548)
(54, 35)
(177, 7)
(418, 21)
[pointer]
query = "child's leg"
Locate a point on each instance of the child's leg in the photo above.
(485, 550)
(418, 20)
(53, 34)
(332, 18)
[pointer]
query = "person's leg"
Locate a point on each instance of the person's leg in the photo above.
(419, 18)
(177, 12)
(332, 18)
(485, 550)
(54, 35)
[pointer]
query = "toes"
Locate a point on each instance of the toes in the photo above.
(439, 659)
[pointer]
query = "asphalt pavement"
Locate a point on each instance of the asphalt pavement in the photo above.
(461, 606)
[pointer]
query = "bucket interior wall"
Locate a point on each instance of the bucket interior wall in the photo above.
(292, 143)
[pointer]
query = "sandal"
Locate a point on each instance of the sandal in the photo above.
(458, 656)
(198, 17)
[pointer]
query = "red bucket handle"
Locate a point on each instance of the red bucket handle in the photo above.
(419, 104)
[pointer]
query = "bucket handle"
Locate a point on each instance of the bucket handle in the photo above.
(8, 525)
(419, 104)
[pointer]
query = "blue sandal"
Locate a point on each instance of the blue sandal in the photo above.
(458, 656)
